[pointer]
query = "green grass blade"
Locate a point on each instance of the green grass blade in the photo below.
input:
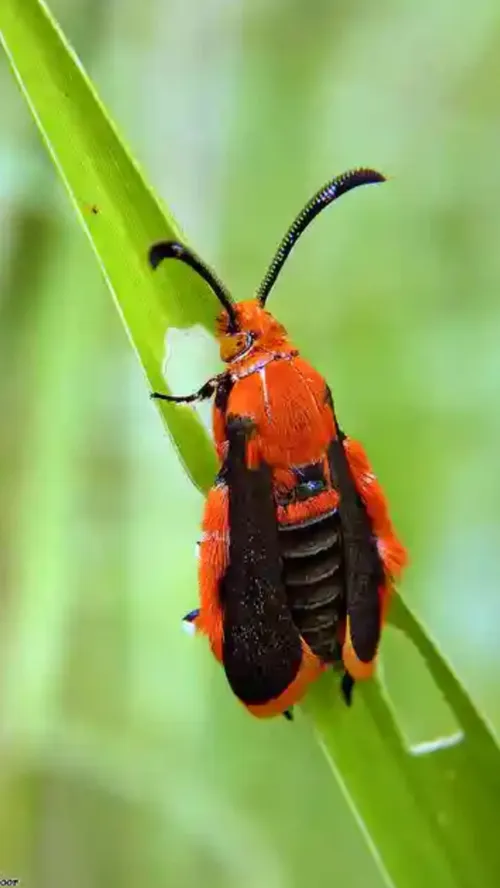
(428, 816)
(118, 211)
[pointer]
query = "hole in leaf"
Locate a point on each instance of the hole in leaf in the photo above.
(423, 716)
(191, 357)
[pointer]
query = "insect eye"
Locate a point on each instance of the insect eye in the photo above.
(234, 346)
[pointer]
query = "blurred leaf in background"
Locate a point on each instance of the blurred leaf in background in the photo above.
(124, 757)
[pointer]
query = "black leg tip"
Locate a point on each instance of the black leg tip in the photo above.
(346, 686)
(288, 714)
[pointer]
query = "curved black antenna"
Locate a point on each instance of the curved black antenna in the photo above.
(333, 189)
(172, 250)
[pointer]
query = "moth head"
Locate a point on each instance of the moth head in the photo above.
(256, 328)
(243, 326)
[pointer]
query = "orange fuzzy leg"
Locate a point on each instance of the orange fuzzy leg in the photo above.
(213, 560)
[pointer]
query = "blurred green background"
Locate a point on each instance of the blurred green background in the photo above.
(123, 756)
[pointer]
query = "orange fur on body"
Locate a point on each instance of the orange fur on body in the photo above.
(288, 402)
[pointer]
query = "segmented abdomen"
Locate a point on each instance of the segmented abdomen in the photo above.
(314, 580)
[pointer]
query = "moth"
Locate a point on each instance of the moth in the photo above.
(298, 556)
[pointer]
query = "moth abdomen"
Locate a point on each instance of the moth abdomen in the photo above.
(314, 581)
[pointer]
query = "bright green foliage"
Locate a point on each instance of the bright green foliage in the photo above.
(118, 211)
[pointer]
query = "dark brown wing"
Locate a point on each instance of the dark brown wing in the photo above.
(262, 650)
(362, 564)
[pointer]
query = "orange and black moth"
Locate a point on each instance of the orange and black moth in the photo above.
(298, 555)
